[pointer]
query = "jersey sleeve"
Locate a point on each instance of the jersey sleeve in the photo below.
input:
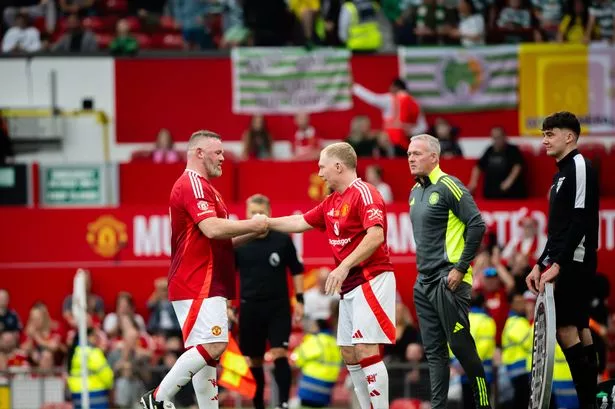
(199, 201)
(372, 209)
(316, 217)
(294, 265)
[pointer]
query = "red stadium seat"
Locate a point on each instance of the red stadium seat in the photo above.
(144, 40)
(168, 24)
(169, 41)
(104, 40)
(116, 6)
(94, 23)
(134, 23)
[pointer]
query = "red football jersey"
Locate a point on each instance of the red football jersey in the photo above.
(200, 267)
(346, 217)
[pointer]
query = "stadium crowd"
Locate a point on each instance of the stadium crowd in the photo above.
(126, 26)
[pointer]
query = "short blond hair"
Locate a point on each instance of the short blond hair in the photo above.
(259, 199)
(342, 151)
(433, 144)
(199, 135)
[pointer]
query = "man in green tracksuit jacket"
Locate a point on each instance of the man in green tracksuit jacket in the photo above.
(448, 229)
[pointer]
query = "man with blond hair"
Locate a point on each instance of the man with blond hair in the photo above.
(448, 229)
(202, 272)
(354, 219)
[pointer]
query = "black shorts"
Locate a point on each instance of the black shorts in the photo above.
(262, 321)
(573, 293)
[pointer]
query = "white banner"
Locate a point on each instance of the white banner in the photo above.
(451, 79)
(290, 80)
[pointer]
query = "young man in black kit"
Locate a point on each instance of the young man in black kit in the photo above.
(265, 313)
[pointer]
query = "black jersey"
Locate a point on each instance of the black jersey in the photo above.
(573, 213)
(262, 265)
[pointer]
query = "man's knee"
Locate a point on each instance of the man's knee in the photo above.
(349, 355)
(277, 353)
(215, 349)
(568, 336)
(363, 351)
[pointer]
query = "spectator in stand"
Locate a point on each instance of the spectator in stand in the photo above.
(31, 9)
(306, 11)
(573, 28)
(400, 14)
(82, 8)
(96, 306)
(128, 386)
(306, 143)
(527, 242)
(401, 113)
(76, 39)
(514, 22)
(269, 22)
(190, 16)
(257, 141)
(548, 14)
(317, 302)
(123, 44)
(21, 38)
(327, 24)
(9, 320)
(130, 344)
(601, 16)
(373, 175)
(124, 307)
(502, 164)
(148, 11)
(10, 355)
(41, 333)
(358, 25)
(164, 152)
(360, 137)
(471, 30)
(429, 22)
(447, 135)
(162, 319)
(235, 32)
(497, 283)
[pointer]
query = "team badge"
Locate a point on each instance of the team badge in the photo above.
(433, 198)
(202, 205)
(345, 210)
(274, 259)
(216, 331)
(336, 228)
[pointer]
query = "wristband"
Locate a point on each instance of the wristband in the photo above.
(299, 297)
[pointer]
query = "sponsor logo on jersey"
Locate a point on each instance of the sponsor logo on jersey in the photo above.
(106, 236)
(339, 242)
(216, 331)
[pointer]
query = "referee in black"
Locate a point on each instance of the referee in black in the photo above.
(570, 256)
(265, 313)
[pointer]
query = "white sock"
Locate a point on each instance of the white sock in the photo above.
(360, 385)
(205, 384)
(377, 379)
(187, 365)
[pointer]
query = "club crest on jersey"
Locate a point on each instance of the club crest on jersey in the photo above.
(559, 183)
(216, 331)
(336, 228)
(345, 210)
(433, 198)
(202, 205)
(274, 259)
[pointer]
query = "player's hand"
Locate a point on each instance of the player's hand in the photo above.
(533, 279)
(298, 312)
(454, 279)
(548, 276)
(231, 314)
(261, 224)
(335, 279)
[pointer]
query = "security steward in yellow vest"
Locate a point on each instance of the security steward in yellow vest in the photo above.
(100, 375)
(563, 386)
(320, 361)
(358, 25)
(517, 350)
